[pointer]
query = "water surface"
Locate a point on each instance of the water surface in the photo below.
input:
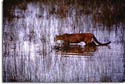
(29, 54)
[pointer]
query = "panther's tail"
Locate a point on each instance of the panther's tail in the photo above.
(100, 42)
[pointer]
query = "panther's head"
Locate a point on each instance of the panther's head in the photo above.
(58, 37)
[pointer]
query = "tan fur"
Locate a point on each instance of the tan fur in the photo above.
(78, 37)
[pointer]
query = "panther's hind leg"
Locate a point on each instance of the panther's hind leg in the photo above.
(88, 40)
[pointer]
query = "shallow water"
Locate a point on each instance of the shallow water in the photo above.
(29, 54)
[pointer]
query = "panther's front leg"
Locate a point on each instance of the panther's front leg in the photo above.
(66, 45)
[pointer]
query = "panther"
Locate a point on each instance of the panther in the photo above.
(78, 37)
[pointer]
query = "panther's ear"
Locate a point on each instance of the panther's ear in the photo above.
(57, 34)
(55, 38)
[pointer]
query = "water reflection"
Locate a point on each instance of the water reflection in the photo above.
(28, 41)
(77, 49)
